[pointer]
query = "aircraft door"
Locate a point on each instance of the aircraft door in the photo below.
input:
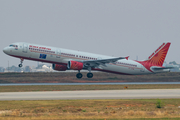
(58, 53)
(25, 48)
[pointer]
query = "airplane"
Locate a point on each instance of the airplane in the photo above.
(65, 59)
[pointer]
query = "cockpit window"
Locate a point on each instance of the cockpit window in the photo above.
(13, 46)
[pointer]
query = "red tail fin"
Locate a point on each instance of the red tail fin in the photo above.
(157, 58)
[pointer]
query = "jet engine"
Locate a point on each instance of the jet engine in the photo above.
(74, 65)
(59, 67)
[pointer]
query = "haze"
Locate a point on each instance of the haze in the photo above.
(109, 27)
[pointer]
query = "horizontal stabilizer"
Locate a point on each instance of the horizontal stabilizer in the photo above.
(161, 69)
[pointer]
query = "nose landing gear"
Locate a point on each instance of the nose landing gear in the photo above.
(20, 65)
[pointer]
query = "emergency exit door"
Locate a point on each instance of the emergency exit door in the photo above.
(25, 48)
(58, 53)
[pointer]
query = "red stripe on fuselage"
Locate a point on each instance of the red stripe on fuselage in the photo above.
(110, 71)
(124, 66)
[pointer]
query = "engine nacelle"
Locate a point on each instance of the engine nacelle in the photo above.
(59, 67)
(74, 65)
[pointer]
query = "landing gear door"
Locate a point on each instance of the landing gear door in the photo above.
(58, 53)
(25, 48)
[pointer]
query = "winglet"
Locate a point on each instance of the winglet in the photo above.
(127, 57)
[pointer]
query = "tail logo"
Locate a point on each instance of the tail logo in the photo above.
(156, 58)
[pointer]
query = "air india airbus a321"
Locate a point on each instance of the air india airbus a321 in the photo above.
(64, 59)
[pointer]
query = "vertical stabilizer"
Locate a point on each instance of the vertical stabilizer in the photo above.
(157, 57)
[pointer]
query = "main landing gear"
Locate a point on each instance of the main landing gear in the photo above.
(89, 75)
(20, 65)
(79, 75)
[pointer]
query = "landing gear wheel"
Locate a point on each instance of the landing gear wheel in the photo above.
(89, 75)
(20, 65)
(79, 75)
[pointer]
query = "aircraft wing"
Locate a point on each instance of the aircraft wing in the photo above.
(103, 62)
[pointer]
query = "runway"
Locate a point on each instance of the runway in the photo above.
(108, 83)
(93, 94)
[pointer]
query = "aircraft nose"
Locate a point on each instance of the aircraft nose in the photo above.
(5, 50)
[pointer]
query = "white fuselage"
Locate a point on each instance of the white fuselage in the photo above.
(62, 56)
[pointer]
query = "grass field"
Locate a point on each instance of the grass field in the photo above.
(150, 109)
(67, 77)
(82, 87)
(91, 109)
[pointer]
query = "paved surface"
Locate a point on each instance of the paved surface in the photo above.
(113, 83)
(94, 94)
